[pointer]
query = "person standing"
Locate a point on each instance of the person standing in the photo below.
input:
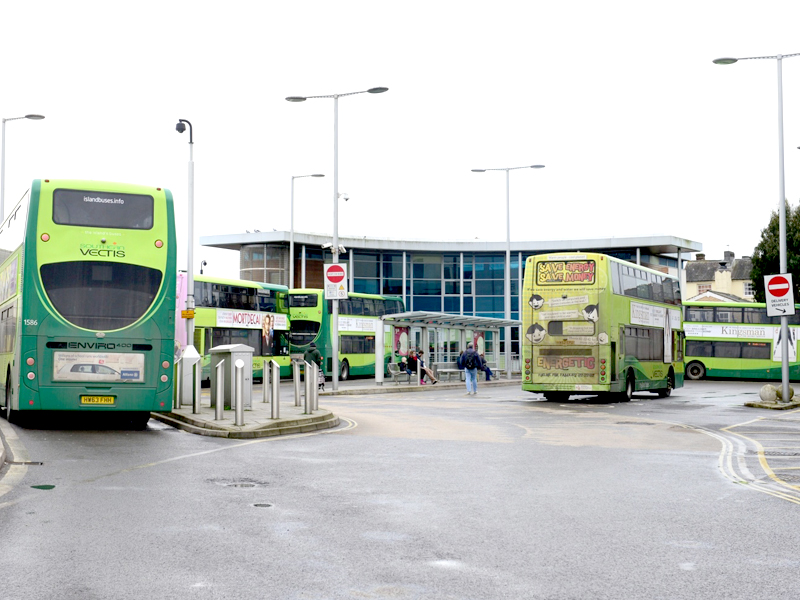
(313, 356)
(472, 362)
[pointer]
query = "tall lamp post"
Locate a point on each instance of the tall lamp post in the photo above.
(3, 161)
(781, 210)
(507, 295)
(180, 128)
(291, 229)
(335, 246)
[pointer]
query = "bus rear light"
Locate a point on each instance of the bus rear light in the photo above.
(165, 364)
(159, 243)
(31, 376)
(30, 362)
(164, 378)
(45, 237)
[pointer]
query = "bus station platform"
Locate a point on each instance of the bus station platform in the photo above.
(258, 421)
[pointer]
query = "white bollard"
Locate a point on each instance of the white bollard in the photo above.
(219, 409)
(239, 392)
(275, 371)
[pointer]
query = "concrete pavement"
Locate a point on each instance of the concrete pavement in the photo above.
(258, 421)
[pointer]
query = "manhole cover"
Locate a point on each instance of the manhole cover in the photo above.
(262, 505)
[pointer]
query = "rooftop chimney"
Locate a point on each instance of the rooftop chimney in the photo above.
(700, 256)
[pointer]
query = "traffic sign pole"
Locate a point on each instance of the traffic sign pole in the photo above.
(779, 292)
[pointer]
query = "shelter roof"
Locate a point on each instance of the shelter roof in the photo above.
(446, 320)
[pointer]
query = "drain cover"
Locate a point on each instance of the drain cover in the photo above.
(242, 485)
(262, 505)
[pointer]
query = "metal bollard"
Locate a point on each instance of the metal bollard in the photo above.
(238, 392)
(219, 409)
(265, 381)
(198, 371)
(315, 405)
(275, 368)
(309, 395)
(296, 380)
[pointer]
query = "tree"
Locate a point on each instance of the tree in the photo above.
(766, 256)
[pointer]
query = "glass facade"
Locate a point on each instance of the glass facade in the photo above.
(469, 283)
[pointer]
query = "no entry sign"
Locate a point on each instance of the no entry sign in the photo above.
(780, 295)
(335, 281)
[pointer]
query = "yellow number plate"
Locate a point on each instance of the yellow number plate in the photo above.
(97, 399)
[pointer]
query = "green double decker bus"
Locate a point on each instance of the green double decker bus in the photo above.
(598, 325)
(310, 320)
(236, 311)
(87, 299)
(737, 340)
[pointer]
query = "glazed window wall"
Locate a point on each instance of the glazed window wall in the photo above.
(265, 263)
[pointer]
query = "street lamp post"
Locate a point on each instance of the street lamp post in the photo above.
(335, 246)
(180, 128)
(291, 228)
(781, 210)
(3, 160)
(507, 294)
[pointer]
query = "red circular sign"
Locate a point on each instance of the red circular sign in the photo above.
(778, 286)
(335, 273)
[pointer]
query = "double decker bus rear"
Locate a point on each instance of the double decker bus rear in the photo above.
(96, 300)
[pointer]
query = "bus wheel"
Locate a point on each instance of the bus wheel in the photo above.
(695, 370)
(139, 420)
(630, 384)
(10, 414)
(665, 392)
(345, 371)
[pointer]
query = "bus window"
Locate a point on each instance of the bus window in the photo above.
(756, 350)
(728, 315)
(102, 209)
(755, 315)
(727, 349)
(303, 300)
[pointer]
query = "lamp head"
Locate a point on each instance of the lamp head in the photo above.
(725, 61)
(537, 166)
(296, 99)
(377, 90)
(318, 175)
(479, 170)
(34, 117)
(327, 245)
(180, 127)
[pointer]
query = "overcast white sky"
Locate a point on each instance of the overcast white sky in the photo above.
(640, 133)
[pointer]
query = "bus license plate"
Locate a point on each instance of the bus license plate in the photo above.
(97, 399)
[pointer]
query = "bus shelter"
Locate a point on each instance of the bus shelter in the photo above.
(451, 336)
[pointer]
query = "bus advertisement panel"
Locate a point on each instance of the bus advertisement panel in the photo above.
(737, 340)
(86, 286)
(595, 324)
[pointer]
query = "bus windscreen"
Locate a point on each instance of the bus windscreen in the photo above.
(102, 209)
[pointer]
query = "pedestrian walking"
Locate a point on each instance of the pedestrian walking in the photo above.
(471, 361)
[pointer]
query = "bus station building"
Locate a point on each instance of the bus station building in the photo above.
(463, 278)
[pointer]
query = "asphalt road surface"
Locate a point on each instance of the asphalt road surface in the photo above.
(431, 495)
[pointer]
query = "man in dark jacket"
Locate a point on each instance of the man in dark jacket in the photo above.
(472, 362)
